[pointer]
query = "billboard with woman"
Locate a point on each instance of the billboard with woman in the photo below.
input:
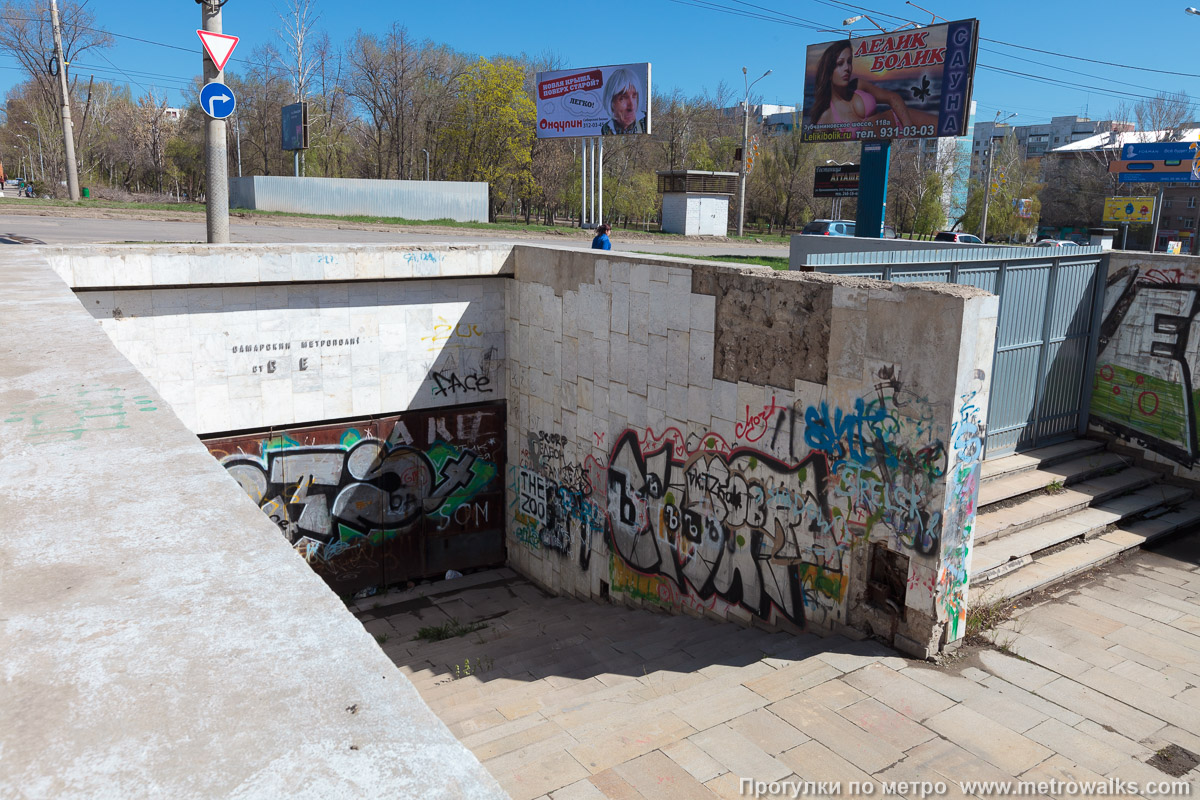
(909, 84)
(595, 101)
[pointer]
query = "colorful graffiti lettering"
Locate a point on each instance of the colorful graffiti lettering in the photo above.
(350, 498)
(557, 514)
(770, 527)
(1147, 356)
(967, 437)
(739, 526)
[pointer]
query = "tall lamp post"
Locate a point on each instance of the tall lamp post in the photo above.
(836, 211)
(987, 183)
(41, 152)
(745, 146)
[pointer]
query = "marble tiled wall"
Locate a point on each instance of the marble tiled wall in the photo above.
(238, 357)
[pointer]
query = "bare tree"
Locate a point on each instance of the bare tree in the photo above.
(28, 37)
(1165, 117)
(296, 58)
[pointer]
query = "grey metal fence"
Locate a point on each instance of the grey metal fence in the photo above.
(1050, 302)
(346, 197)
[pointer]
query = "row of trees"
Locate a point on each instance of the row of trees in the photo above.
(386, 105)
(382, 105)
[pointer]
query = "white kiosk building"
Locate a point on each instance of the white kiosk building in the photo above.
(696, 203)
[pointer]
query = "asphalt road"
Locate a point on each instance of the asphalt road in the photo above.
(73, 230)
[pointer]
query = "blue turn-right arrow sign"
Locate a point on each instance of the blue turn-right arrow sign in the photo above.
(217, 100)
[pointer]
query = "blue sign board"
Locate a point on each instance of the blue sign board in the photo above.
(1156, 177)
(217, 100)
(1160, 151)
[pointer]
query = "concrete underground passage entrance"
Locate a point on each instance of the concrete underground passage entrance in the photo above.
(792, 451)
(797, 453)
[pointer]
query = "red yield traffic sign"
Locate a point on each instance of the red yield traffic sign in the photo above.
(218, 46)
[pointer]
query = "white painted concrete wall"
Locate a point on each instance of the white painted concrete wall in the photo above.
(232, 358)
(337, 331)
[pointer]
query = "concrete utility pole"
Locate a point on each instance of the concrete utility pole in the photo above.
(745, 149)
(987, 184)
(987, 192)
(216, 167)
(68, 131)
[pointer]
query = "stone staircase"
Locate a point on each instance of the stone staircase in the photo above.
(1048, 514)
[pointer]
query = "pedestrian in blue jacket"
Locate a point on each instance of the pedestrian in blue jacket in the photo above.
(601, 241)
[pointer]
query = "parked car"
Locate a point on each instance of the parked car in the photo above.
(830, 227)
(956, 236)
(889, 232)
(1056, 243)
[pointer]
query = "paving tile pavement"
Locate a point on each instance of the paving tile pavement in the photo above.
(571, 700)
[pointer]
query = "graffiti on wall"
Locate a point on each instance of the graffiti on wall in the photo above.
(362, 503)
(766, 523)
(1147, 356)
(554, 508)
(740, 526)
(967, 436)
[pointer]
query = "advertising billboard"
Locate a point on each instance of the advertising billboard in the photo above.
(1128, 209)
(839, 180)
(911, 84)
(294, 126)
(595, 101)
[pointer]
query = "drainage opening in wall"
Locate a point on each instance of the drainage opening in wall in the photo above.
(888, 581)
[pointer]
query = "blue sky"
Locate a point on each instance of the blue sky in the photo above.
(693, 46)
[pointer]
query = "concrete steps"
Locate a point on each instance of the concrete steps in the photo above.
(1042, 572)
(1036, 459)
(1043, 506)
(1074, 470)
(1084, 524)
(1051, 513)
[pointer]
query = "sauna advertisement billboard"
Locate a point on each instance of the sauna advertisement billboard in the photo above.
(594, 101)
(911, 84)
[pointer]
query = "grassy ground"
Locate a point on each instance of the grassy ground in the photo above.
(774, 262)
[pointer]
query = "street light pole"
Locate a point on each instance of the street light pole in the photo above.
(745, 148)
(987, 183)
(237, 129)
(68, 131)
(426, 152)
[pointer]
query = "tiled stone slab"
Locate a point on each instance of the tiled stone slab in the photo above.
(867, 752)
(991, 741)
(739, 755)
(1105, 710)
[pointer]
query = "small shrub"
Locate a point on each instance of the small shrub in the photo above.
(467, 669)
(984, 617)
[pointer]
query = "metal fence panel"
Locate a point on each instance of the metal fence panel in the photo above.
(1044, 336)
(345, 197)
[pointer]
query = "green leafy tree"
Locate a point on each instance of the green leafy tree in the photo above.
(492, 130)
(930, 216)
(1012, 178)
